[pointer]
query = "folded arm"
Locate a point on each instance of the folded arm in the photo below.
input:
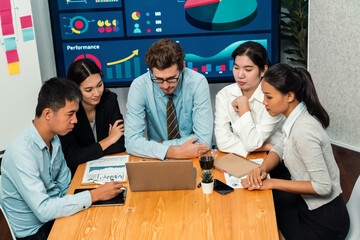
(243, 135)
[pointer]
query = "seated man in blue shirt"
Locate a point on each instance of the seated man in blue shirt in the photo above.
(148, 101)
(34, 174)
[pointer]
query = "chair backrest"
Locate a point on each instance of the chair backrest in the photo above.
(6, 232)
(353, 206)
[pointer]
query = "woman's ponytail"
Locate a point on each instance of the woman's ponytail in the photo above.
(297, 80)
(310, 98)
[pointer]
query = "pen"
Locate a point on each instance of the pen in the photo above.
(98, 182)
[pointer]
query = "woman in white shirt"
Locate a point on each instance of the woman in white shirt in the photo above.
(242, 124)
(309, 204)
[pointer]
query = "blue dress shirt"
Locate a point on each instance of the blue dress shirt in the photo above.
(34, 184)
(146, 107)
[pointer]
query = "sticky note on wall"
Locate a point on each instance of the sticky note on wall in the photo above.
(6, 17)
(7, 29)
(5, 5)
(10, 43)
(14, 68)
(26, 21)
(7, 26)
(12, 56)
(28, 34)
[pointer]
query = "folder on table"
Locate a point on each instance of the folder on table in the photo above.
(235, 165)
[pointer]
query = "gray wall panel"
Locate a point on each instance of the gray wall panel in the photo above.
(334, 63)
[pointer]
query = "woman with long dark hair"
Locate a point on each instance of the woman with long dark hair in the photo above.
(309, 204)
(242, 124)
(100, 128)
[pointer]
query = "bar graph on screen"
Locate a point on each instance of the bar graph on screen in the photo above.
(219, 62)
(128, 67)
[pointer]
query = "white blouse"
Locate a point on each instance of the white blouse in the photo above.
(241, 135)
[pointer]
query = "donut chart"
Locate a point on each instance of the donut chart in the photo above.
(89, 56)
(220, 15)
(79, 25)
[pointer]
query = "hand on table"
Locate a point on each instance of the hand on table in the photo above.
(188, 149)
(255, 180)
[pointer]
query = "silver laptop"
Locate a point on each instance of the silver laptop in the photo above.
(160, 176)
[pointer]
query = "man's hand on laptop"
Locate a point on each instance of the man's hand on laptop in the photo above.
(187, 150)
(106, 192)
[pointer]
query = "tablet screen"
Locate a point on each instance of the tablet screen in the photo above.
(118, 200)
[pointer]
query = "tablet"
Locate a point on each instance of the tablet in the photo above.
(118, 200)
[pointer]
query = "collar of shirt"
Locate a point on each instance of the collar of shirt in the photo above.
(40, 142)
(36, 137)
(292, 118)
(257, 95)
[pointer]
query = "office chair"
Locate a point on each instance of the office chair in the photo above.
(353, 207)
(6, 232)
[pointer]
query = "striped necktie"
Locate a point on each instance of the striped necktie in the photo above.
(172, 124)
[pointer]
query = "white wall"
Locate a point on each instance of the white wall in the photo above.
(334, 63)
(18, 92)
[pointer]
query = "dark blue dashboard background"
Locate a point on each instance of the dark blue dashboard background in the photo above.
(121, 49)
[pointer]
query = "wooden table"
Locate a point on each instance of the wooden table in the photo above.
(181, 214)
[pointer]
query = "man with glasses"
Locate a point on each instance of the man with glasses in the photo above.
(173, 103)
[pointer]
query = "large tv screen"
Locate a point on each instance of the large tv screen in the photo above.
(116, 34)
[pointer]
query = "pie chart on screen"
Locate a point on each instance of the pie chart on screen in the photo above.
(135, 15)
(220, 15)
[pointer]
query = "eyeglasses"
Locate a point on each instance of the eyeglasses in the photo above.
(169, 80)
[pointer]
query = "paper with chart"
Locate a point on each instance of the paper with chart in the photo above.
(106, 169)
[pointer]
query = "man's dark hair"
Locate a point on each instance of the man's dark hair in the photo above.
(163, 54)
(54, 93)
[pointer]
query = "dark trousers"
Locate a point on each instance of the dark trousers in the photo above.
(297, 222)
(42, 233)
(280, 172)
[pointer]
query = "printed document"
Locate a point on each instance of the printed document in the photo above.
(106, 169)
